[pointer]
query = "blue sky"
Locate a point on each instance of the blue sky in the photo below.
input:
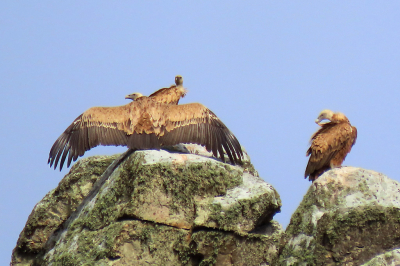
(266, 68)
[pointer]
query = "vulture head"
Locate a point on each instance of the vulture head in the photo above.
(178, 80)
(134, 96)
(325, 114)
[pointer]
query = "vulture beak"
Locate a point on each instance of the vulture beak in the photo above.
(318, 122)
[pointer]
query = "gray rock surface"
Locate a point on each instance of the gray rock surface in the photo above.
(348, 216)
(183, 207)
(156, 208)
(390, 258)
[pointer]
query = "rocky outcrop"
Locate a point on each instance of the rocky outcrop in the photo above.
(156, 208)
(182, 207)
(57, 206)
(349, 216)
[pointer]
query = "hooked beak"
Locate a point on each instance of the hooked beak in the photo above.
(318, 121)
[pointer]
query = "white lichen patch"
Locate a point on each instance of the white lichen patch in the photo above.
(299, 242)
(63, 244)
(228, 208)
(316, 215)
(184, 153)
(391, 258)
(251, 187)
(156, 157)
(352, 187)
(366, 187)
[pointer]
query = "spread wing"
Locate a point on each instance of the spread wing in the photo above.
(96, 126)
(169, 95)
(195, 123)
(144, 124)
(330, 140)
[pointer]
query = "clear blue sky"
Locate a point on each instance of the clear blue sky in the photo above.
(266, 68)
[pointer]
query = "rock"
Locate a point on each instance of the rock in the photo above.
(57, 206)
(348, 216)
(222, 248)
(240, 208)
(388, 259)
(156, 208)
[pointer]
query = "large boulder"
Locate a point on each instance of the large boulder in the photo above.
(156, 208)
(349, 216)
(57, 206)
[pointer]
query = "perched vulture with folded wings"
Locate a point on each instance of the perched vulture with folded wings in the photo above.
(145, 124)
(169, 95)
(330, 144)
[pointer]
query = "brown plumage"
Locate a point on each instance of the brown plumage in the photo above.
(170, 95)
(145, 124)
(330, 144)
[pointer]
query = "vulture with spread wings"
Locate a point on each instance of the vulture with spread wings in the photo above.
(146, 123)
(330, 144)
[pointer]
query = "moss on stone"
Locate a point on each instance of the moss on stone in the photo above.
(110, 229)
(335, 224)
(359, 233)
(106, 244)
(58, 204)
(179, 183)
(244, 210)
(224, 248)
(356, 235)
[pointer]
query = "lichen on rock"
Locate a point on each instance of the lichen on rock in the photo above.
(348, 216)
(387, 259)
(159, 206)
(57, 206)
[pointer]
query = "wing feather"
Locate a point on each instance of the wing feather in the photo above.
(354, 135)
(203, 127)
(213, 136)
(208, 137)
(98, 125)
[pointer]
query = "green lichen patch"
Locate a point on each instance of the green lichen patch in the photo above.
(300, 221)
(223, 248)
(58, 204)
(242, 209)
(127, 242)
(346, 236)
(134, 242)
(138, 190)
(357, 235)
(167, 193)
(244, 215)
(346, 217)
